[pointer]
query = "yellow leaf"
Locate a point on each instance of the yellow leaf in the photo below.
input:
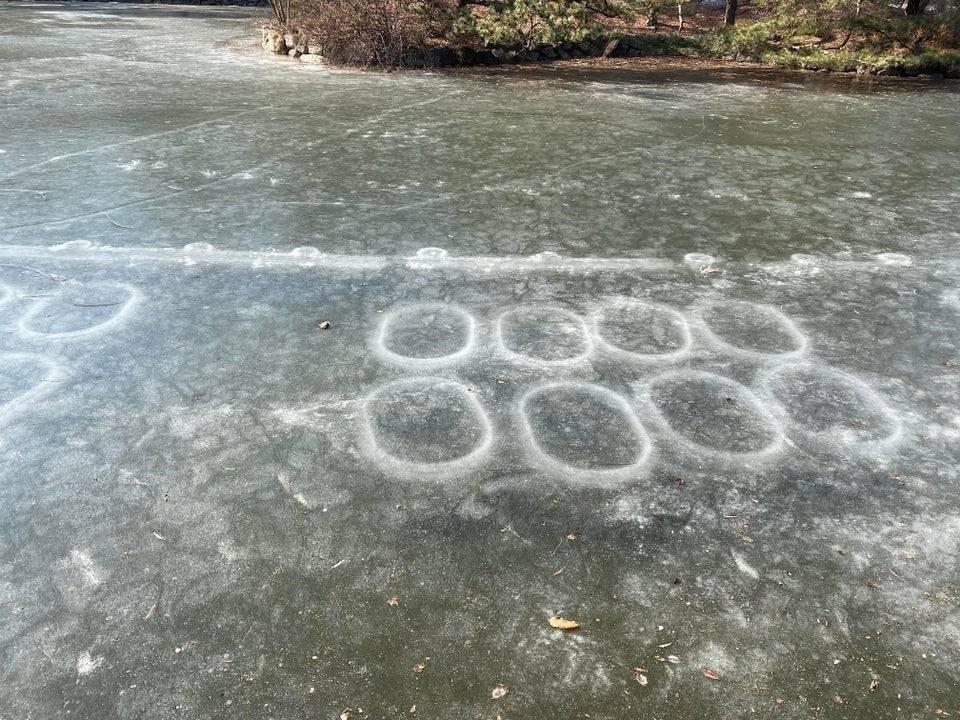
(561, 623)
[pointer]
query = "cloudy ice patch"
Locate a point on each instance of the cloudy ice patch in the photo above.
(744, 566)
(129, 166)
(86, 663)
(894, 259)
(698, 259)
(87, 568)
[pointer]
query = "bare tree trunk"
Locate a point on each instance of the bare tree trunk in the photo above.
(730, 13)
(679, 18)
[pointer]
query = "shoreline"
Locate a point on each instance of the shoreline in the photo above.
(713, 68)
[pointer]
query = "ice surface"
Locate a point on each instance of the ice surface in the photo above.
(672, 358)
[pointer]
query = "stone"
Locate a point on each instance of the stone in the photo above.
(272, 41)
(313, 58)
(294, 52)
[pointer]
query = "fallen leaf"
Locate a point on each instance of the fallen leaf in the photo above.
(419, 668)
(346, 714)
(499, 691)
(673, 659)
(874, 684)
(638, 675)
(838, 700)
(710, 270)
(393, 601)
(325, 325)
(561, 623)
(571, 536)
(413, 709)
(665, 645)
(710, 673)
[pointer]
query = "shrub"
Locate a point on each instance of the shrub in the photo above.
(525, 24)
(372, 32)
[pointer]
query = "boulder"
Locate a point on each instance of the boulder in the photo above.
(272, 41)
(313, 58)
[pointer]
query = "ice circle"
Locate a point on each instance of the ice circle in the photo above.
(106, 304)
(750, 330)
(634, 329)
(584, 433)
(543, 335)
(713, 417)
(425, 428)
(826, 409)
(425, 336)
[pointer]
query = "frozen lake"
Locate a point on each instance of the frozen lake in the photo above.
(670, 354)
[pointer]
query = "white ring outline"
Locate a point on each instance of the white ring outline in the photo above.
(135, 296)
(686, 335)
(768, 452)
(573, 318)
(410, 469)
(596, 477)
(55, 373)
(786, 324)
(829, 440)
(425, 363)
